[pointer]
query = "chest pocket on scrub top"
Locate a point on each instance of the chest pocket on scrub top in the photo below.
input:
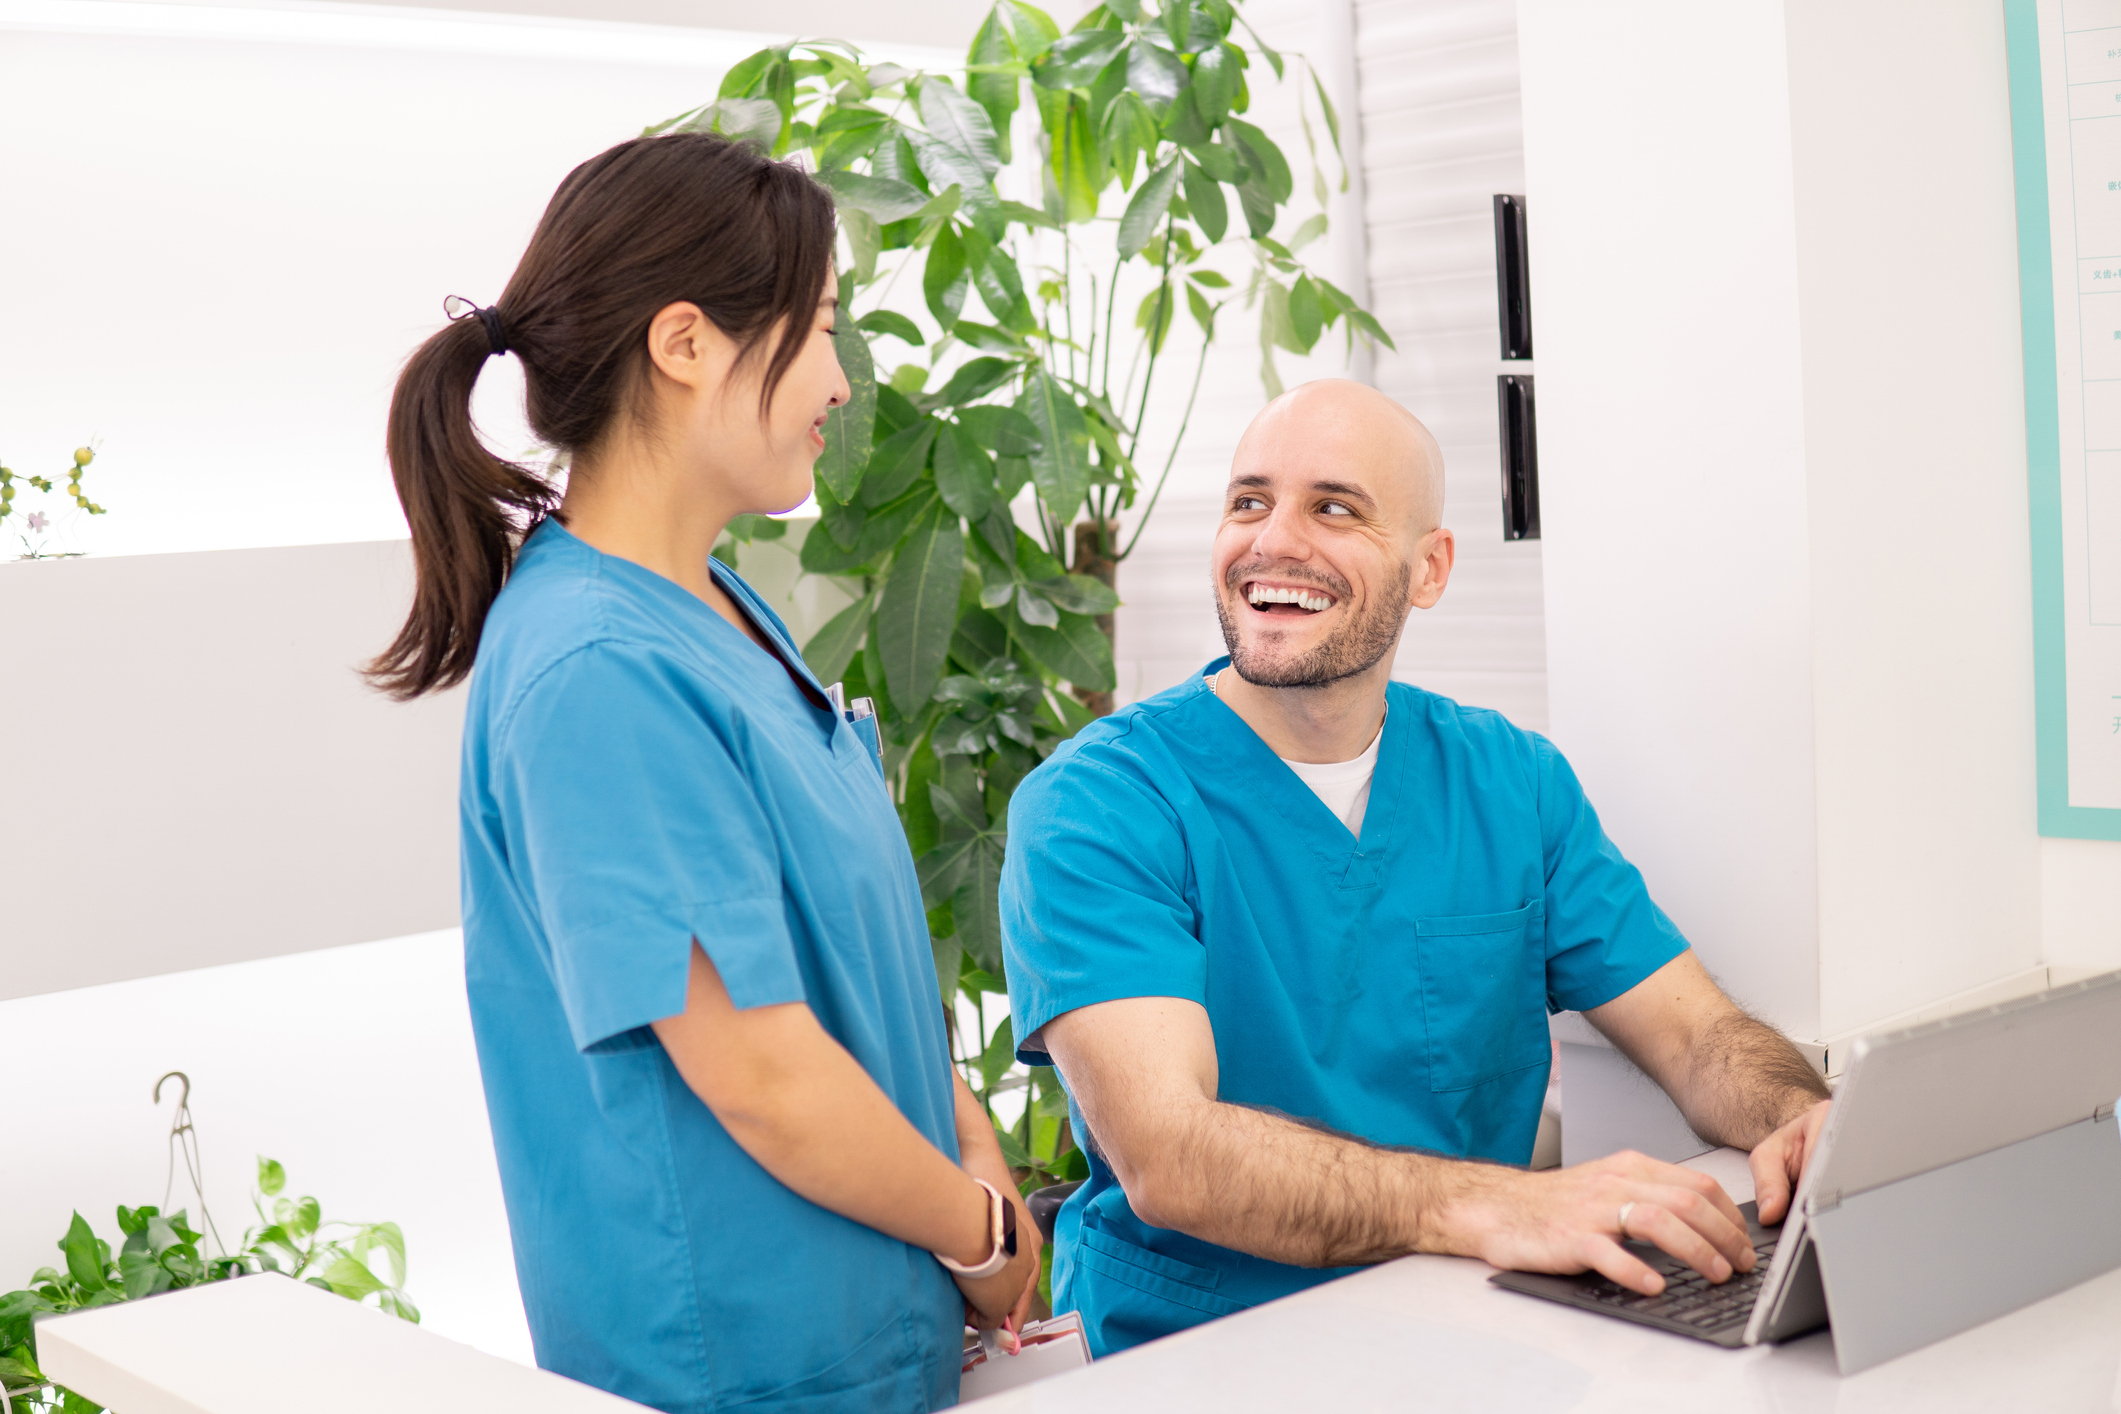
(1483, 994)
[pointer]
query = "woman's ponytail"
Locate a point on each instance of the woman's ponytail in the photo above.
(651, 222)
(467, 508)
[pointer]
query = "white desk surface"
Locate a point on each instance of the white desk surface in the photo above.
(268, 1345)
(1429, 1333)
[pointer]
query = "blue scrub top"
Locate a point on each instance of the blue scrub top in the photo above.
(638, 774)
(1395, 988)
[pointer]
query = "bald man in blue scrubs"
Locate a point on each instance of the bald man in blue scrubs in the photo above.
(1291, 932)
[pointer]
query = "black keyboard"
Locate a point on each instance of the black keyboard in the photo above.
(1690, 1303)
(1690, 1298)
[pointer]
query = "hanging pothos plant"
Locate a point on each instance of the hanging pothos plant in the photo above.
(982, 645)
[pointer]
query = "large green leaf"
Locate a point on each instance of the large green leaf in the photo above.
(1131, 132)
(944, 281)
(1000, 284)
(1000, 1052)
(1221, 161)
(1031, 29)
(351, 1279)
(1146, 212)
(1280, 184)
(1079, 594)
(976, 379)
(84, 1262)
(887, 526)
(1001, 430)
(1183, 124)
(964, 473)
(923, 830)
(833, 647)
(1155, 73)
(1076, 651)
(1061, 466)
(980, 639)
(847, 133)
(1217, 71)
(942, 869)
(1205, 204)
(850, 427)
(1073, 167)
(1035, 610)
(1306, 318)
(884, 321)
(954, 118)
(1178, 22)
(896, 464)
(882, 197)
(1259, 208)
(997, 93)
(948, 165)
(919, 611)
(1074, 59)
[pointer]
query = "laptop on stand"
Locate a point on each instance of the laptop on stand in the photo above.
(1969, 1167)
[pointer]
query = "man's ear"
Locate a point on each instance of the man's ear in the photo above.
(1434, 557)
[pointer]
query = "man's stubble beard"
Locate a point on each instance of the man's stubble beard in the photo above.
(1358, 646)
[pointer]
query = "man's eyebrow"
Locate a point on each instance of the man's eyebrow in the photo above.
(1343, 489)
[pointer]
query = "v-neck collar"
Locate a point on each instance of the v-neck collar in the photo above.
(1327, 836)
(701, 612)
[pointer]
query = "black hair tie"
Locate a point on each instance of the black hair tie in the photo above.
(496, 334)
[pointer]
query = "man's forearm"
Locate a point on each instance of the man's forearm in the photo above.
(1262, 1183)
(1743, 1080)
(1736, 1079)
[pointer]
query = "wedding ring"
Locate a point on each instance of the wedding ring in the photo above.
(1625, 1209)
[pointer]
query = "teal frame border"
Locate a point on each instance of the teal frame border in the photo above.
(2043, 437)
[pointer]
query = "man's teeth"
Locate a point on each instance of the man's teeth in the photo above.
(1303, 598)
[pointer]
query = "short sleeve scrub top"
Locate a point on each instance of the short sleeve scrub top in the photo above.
(638, 774)
(1394, 986)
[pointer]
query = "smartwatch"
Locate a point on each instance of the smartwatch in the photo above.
(1001, 1218)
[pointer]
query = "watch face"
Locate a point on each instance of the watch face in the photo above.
(1009, 1227)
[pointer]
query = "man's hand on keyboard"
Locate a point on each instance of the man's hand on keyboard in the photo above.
(1779, 1160)
(1569, 1220)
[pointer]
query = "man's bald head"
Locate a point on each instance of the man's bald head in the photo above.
(1329, 536)
(1337, 421)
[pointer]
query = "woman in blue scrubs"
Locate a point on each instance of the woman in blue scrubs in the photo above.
(738, 1167)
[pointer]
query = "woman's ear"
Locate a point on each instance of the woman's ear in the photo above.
(686, 347)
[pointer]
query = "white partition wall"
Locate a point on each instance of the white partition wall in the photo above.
(1782, 448)
(198, 774)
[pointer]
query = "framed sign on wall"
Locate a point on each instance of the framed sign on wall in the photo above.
(2065, 78)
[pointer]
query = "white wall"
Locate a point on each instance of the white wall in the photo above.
(1665, 309)
(199, 776)
(229, 225)
(1914, 455)
(1788, 603)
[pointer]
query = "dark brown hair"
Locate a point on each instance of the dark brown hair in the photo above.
(649, 223)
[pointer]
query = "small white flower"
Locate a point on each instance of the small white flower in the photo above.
(38, 521)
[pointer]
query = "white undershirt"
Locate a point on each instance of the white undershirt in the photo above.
(1344, 786)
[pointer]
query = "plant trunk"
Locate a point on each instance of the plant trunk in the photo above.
(1095, 549)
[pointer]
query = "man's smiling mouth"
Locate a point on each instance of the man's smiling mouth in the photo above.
(1286, 601)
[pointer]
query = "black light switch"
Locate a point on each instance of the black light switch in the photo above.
(1513, 278)
(1520, 457)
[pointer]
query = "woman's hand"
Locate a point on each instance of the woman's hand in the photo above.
(1004, 1299)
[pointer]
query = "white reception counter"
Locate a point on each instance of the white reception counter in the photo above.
(1429, 1333)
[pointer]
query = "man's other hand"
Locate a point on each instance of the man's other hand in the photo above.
(1569, 1220)
(1779, 1160)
